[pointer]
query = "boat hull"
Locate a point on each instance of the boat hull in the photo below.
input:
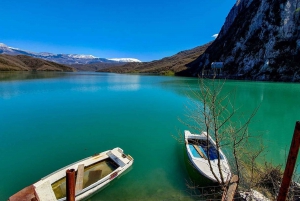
(198, 156)
(196, 178)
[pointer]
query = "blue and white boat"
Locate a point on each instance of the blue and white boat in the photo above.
(201, 149)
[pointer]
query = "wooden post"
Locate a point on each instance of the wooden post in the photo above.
(70, 185)
(228, 193)
(290, 165)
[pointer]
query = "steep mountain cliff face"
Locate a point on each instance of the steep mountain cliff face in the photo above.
(259, 40)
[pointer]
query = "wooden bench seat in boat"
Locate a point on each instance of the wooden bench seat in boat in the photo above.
(199, 151)
(79, 178)
(44, 191)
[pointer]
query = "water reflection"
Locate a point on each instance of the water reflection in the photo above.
(123, 82)
(12, 83)
(77, 81)
(124, 87)
(8, 91)
(88, 88)
(24, 75)
(93, 82)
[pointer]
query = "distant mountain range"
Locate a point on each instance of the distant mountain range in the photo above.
(27, 63)
(260, 40)
(169, 65)
(64, 58)
(175, 64)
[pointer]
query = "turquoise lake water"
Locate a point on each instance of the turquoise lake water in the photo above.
(49, 120)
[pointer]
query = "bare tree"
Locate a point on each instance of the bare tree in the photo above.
(212, 110)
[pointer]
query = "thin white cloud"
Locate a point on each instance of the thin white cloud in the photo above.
(215, 36)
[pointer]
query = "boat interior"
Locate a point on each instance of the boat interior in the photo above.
(201, 148)
(88, 176)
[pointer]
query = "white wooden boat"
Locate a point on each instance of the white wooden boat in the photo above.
(200, 150)
(92, 174)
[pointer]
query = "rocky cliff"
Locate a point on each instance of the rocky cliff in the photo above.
(260, 40)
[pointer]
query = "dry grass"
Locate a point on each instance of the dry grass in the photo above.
(27, 63)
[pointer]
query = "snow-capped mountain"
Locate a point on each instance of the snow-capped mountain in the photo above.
(64, 58)
(127, 60)
(4, 49)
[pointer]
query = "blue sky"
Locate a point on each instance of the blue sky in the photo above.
(142, 29)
